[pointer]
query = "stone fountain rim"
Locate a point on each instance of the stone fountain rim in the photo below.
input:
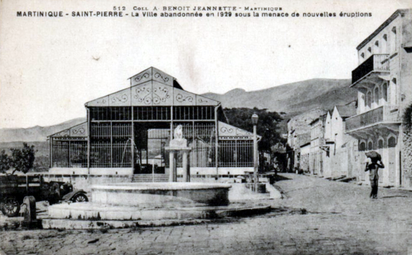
(161, 186)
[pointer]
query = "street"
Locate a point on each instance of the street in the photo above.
(316, 216)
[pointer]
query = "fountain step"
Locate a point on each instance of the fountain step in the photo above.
(102, 224)
(152, 218)
(93, 211)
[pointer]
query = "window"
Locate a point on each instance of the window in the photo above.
(369, 98)
(362, 146)
(370, 50)
(385, 43)
(120, 113)
(380, 144)
(377, 95)
(385, 92)
(194, 113)
(392, 142)
(393, 40)
(377, 49)
(370, 145)
(151, 113)
(393, 91)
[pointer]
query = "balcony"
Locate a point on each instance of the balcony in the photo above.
(370, 70)
(383, 117)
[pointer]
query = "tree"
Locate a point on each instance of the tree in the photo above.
(267, 126)
(22, 159)
(5, 162)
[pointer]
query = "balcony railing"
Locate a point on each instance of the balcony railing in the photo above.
(373, 64)
(382, 114)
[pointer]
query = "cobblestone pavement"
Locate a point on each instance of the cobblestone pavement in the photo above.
(316, 217)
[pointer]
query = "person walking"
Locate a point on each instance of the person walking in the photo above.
(372, 165)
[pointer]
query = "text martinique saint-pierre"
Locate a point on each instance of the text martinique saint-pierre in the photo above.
(118, 11)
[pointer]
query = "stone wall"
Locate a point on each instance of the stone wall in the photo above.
(304, 162)
(407, 157)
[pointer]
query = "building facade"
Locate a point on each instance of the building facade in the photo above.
(317, 133)
(341, 156)
(126, 133)
(383, 79)
(299, 133)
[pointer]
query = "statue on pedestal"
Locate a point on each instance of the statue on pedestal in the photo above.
(178, 134)
(178, 144)
(178, 140)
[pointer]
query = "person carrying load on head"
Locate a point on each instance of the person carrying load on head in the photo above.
(373, 163)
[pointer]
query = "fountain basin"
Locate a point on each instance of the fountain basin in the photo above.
(161, 194)
(92, 211)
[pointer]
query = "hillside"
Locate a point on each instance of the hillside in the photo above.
(294, 97)
(300, 101)
(36, 133)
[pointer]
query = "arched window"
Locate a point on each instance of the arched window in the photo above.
(380, 144)
(393, 40)
(362, 55)
(392, 142)
(370, 145)
(377, 49)
(385, 92)
(362, 146)
(369, 98)
(385, 43)
(393, 91)
(370, 50)
(377, 95)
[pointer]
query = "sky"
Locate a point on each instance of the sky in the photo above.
(50, 67)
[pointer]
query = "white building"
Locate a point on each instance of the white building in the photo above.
(383, 79)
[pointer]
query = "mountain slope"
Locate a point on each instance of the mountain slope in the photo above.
(293, 97)
(36, 133)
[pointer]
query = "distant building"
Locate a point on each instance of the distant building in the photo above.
(298, 126)
(341, 147)
(317, 140)
(383, 79)
(303, 152)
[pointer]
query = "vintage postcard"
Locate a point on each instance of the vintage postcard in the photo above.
(205, 127)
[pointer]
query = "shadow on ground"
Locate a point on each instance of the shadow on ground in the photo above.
(279, 178)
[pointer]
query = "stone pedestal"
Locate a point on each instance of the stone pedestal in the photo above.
(176, 146)
(173, 166)
(30, 217)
